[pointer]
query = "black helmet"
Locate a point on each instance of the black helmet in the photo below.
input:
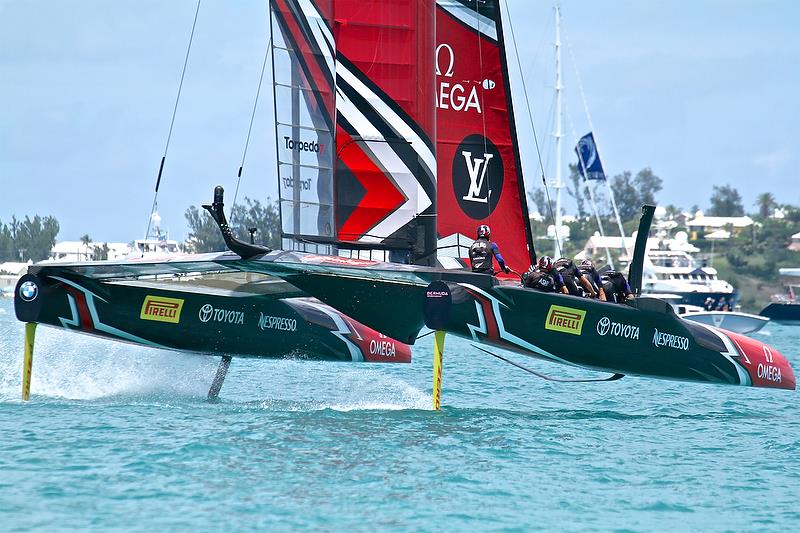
(484, 231)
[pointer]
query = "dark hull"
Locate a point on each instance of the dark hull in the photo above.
(783, 313)
(644, 339)
(699, 298)
(223, 314)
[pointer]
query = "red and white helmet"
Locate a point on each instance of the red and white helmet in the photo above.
(545, 263)
(484, 231)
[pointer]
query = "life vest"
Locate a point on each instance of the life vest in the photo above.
(588, 274)
(614, 285)
(480, 254)
(541, 281)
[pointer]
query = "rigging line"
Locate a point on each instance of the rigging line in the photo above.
(587, 187)
(533, 128)
(613, 377)
(591, 128)
(172, 122)
(483, 91)
(252, 119)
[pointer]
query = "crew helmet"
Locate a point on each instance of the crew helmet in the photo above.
(545, 263)
(587, 264)
(484, 231)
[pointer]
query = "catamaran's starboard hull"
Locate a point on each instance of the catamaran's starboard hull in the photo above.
(645, 339)
(267, 319)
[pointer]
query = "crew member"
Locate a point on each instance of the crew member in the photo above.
(574, 280)
(709, 304)
(544, 277)
(616, 286)
(482, 250)
(593, 277)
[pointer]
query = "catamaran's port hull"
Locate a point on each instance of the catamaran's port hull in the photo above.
(238, 314)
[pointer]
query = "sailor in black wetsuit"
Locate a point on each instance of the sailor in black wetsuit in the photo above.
(574, 280)
(617, 288)
(593, 277)
(482, 251)
(544, 277)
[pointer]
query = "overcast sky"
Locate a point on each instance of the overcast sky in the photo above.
(704, 93)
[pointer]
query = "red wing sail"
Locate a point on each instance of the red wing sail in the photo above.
(385, 166)
(479, 176)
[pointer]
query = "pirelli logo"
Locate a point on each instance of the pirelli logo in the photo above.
(565, 320)
(161, 309)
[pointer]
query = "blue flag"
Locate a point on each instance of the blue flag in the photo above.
(589, 159)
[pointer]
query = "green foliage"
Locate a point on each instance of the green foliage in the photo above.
(726, 202)
(577, 189)
(632, 192)
(765, 203)
(265, 218)
(538, 198)
(735, 259)
(33, 237)
(101, 252)
(204, 235)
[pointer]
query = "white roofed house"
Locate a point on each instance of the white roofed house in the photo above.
(795, 244)
(702, 226)
(10, 272)
(73, 251)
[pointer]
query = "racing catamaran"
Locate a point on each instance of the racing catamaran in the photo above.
(382, 129)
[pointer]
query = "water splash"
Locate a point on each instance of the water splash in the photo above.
(80, 367)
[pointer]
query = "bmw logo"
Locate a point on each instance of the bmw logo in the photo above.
(205, 313)
(28, 291)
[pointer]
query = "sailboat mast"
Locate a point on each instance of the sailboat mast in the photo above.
(558, 135)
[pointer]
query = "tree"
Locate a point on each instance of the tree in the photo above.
(101, 252)
(765, 203)
(33, 238)
(632, 192)
(577, 190)
(538, 198)
(672, 212)
(204, 235)
(626, 195)
(726, 202)
(86, 240)
(265, 218)
(648, 185)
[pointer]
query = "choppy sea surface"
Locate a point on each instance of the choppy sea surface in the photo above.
(118, 437)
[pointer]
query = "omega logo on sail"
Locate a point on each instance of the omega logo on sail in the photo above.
(455, 95)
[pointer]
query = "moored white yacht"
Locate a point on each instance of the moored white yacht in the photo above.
(670, 268)
(156, 245)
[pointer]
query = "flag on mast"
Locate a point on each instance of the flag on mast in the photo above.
(589, 159)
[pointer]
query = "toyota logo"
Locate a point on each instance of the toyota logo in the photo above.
(603, 325)
(205, 312)
(28, 291)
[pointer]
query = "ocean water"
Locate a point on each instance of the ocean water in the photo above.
(118, 437)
